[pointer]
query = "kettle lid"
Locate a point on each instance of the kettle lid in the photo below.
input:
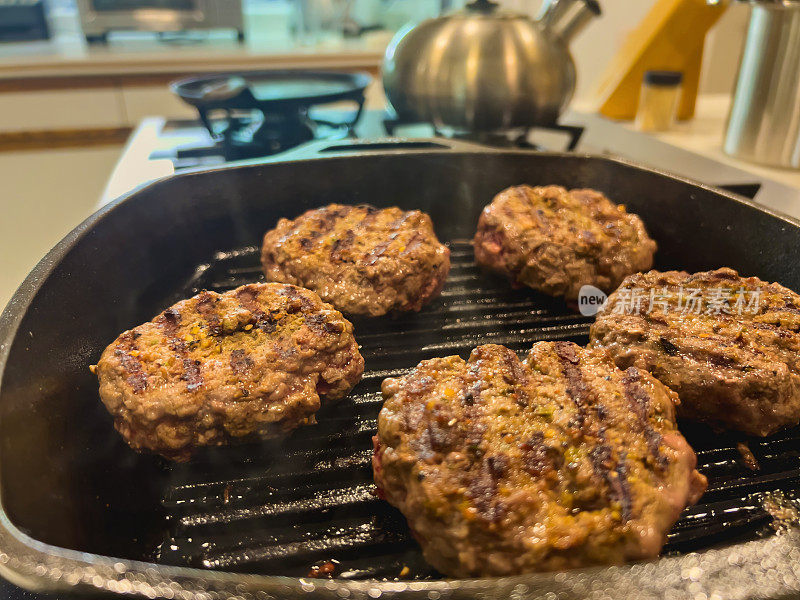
(484, 6)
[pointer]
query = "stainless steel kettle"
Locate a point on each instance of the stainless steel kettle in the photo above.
(483, 69)
(764, 121)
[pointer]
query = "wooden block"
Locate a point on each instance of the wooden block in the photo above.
(670, 37)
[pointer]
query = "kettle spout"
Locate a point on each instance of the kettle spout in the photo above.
(567, 18)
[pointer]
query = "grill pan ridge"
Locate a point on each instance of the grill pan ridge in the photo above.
(240, 523)
(261, 515)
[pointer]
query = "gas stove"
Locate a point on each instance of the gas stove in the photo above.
(252, 114)
(189, 144)
(192, 144)
(160, 147)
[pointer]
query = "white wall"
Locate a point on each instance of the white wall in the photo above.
(724, 49)
(602, 39)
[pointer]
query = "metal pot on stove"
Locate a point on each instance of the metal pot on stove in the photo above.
(484, 69)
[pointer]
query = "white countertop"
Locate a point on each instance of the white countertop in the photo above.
(73, 57)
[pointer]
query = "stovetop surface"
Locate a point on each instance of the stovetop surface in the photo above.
(188, 144)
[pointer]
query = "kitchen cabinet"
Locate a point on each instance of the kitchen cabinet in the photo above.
(55, 89)
(139, 102)
(69, 109)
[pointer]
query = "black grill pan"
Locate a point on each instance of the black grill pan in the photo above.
(252, 521)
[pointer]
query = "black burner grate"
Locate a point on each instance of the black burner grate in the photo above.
(282, 507)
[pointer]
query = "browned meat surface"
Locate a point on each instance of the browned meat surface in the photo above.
(561, 460)
(216, 367)
(360, 259)
(556, 240)
(728, 345)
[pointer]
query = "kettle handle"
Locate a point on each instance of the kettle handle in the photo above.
(552, 11)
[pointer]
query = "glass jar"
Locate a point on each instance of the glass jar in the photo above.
(658, 102)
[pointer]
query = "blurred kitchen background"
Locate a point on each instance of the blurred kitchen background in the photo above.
(87, 112)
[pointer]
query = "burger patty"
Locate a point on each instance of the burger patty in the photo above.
(728, 345)
(556, 240)
(561, 460)
(360, 259)
(252, 361)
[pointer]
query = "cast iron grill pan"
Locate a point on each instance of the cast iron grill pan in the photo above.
(290, 506)
(69, 483)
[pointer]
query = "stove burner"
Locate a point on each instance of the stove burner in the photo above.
(249, 136)
(511, 139)
(188, 143)
(264, 134)
(262, 113)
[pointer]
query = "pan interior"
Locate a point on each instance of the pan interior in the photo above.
(292, 507)
(67, 479)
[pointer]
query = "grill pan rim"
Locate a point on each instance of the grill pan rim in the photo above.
(43, 567)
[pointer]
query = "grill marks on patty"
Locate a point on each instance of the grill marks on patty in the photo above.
(580, 394)
(257, 360)
(191, 374)
(377, 251)
(615, 475)
(130, 363)
(517, 376)
(340, 226)
(341, 244)
(240, 361)
(487, 462)
(360, 259)
(557, 240)
(205, 307)
(473, 407)
(488, 467)
(358, 227)
(540, 459)
(639, 402)
(136, 378)
(482, 490)
(591, 417)
(169, 321)
(734, 365)
(265, 321)
(321, 325)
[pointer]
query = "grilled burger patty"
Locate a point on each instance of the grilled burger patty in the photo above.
(556, 240)
(733, 356)
(252, 361)
(360, 259)
(560, 460)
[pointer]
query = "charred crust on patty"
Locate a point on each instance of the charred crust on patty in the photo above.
(360, 259)
(572, 476)
(733, 368)
(556, 240)
(254, 361)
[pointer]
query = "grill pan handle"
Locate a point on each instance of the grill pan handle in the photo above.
(346, 147)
